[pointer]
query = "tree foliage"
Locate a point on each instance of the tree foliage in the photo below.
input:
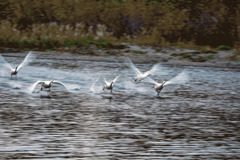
(205, 22)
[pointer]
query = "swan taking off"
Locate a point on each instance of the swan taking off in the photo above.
(141, 76)
(109, 85)
(47, 84)
(158, 87)
(178, 79)
(25, 62)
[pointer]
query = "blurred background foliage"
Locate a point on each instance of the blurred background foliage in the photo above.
(153, 22)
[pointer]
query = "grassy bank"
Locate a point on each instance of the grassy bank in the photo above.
(34, 24)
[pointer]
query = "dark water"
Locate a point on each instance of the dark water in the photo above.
(199, 119)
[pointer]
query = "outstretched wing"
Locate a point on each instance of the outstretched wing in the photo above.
(150, 80)
(113, 81)
(93, 85)
(179, 79)
(5, 63)
(31, 88)
(133, 66)
(27, 60)
(105, 81)
(60, 83)
(97, 86)
(153, 70)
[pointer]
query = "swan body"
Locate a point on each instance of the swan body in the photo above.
(178, 79)
(109, 85)
(47, 84)
(158, 87)
(14, 71)
(140, 76)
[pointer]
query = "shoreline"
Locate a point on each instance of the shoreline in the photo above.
(145, 55)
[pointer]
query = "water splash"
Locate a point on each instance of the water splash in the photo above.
(73, 87)
(96, 88)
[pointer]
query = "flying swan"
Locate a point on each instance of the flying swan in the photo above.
(140, 76)
(159, 86)
(109, 85)
(178, 79)
(25, 62)
(47, 84)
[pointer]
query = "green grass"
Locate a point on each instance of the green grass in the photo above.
(183, 55)
(234, 57)
(210, 57)
(223, 47)
(201, 59)
(52, 44)
(139, 52)
(209, 51)
(101, 43)
(193, 57)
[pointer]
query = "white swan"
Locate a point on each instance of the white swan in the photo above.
(25, 62)
(109, 85)
(178, 79)
(159, 86)
(141, 76)
(47, 84)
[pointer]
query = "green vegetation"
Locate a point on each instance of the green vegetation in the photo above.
(209, 51)
(234, 58)
(223, 47)
(100, 43)
(183, 55)
(193, 56)
(104, 23)
(139, 52)
(200, 59)
(44, 44)
(210, 57)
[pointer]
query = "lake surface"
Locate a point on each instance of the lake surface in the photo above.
(197, 119)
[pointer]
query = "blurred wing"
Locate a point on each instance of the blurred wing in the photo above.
(154, 69)
(115, 79)
(5, 63)
(97, 85)
(179, 79)
(60, 83)
(34, 85)
(133, 67)
(105, 81)
(150, 80)
(27, 60)
(93, 85)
